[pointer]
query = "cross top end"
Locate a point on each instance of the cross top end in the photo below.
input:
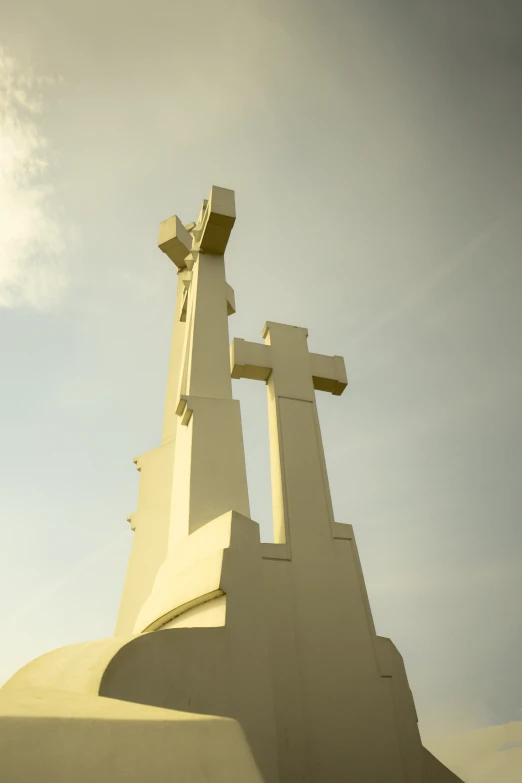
(270, 324)
(209, 235)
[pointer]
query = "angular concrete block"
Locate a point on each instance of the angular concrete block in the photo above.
(174, 240)
(219, 219)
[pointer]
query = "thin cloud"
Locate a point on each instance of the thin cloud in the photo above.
(432, 579)
(421, 292)
(33, 241)
(47, 592)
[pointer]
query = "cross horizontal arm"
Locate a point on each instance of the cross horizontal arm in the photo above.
(255, 361)
(250, 360)
(175, 240)
(328, 373)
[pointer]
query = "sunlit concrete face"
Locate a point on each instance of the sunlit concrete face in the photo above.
(277, 637)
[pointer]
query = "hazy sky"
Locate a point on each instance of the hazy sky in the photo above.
(374, 148)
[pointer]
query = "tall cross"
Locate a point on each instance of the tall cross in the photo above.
(209, 465)
(301, 501)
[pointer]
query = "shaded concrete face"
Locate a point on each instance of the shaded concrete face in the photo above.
(278, 637)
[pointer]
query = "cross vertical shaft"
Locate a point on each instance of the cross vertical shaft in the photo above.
(198, 473)
(209, 465)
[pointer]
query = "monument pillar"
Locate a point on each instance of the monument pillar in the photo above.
(209, 472)
(209, 463)
(198, 472)
(277, 638)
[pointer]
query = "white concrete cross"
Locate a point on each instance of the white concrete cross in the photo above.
(209, 475)
(302, 508)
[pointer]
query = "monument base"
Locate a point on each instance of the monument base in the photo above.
(59, 737)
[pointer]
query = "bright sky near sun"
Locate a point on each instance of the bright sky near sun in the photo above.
(374, 148)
